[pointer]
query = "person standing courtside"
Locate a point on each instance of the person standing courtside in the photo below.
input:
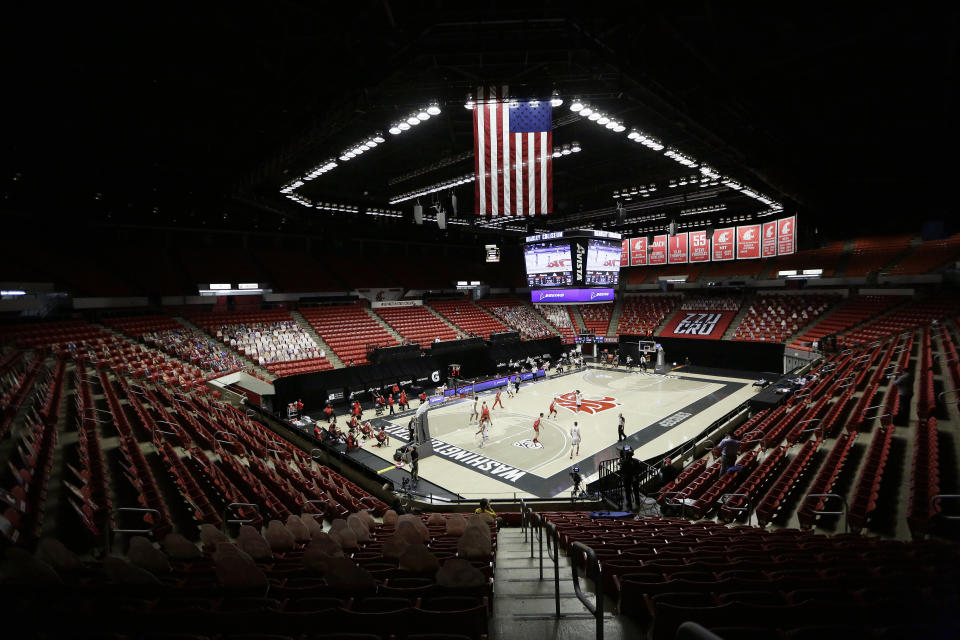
(620, 424)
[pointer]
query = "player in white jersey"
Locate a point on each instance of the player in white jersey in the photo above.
(579, 397)
(474, 415)
(574, 439)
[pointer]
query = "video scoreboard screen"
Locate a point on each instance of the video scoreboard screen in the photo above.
(548, 264)
(603, 262)
(577, 258)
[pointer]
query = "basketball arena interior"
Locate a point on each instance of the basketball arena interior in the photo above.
(450, 321)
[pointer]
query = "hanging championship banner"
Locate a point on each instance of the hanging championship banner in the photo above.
(638, 252)
(723, 244)
(658, 250)
(699, 247)
(625, 253)
(769, 247)
(677, 248)
(787, 235)
(748, 242)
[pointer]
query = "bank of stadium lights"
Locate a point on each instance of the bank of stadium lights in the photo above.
(566, 149)
(304, 202)
(363, 147)
(420, 115)
(319, 170)
(628, 194)
(695, 211)
(680, 158)
(647, 141)
(384, 213)
(337, 207)
(292, 186)
(440, 186)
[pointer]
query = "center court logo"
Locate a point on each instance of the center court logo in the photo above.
(528, 444)
(569, 402)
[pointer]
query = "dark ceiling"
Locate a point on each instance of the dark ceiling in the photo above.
(195, 115)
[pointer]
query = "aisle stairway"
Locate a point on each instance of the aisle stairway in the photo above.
(524, 606)
(615, 317)
(383, 323)
(577, 318)
(331, 356)
(436, 313)
(737, 319)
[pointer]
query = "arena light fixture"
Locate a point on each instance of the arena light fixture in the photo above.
(576, 105)
(555, 99)
(575, 147)
(603, 120)
(469, 104)
(433, 109)
(422, 115)
(395, 130)
(413, 120)
(594, 116)
(586, 111)
(404, 126)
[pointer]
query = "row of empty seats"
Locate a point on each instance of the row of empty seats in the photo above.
(774, 318)
(348, 330)
(417, 324)
(640, 315)
(468, 317)
(596, 317)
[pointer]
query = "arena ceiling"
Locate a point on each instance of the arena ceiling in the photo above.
(199, 115)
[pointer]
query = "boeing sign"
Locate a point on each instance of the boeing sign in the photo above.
(572, 295)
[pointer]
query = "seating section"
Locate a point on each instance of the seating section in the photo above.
(924, 478)
(711, 303)
(271, 338)
(348, 330)
(468, 317)
(417, 324)
(31, 335)
(640, 314)
(774, 318)
(827, 258)
(665, 571)
(518, 315)
(873, 253)
(168, 335)
(559, 317)
(596, 317)
(911, 315)
(856, 310)
(928, 257)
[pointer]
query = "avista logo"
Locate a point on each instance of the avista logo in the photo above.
(569, 402)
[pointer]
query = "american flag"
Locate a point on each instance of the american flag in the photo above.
(513, 155)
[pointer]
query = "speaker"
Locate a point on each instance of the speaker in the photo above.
(673, 228)
(453, 204)
(442, 219)
(418, 213)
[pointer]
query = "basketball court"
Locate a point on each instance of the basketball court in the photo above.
(661, 412)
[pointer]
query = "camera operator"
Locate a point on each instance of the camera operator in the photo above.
(577, 482)
(630, 477)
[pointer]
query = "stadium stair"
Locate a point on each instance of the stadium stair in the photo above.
(737, 319)
(250, 364)
(328, 352)
(844, 258)
(439, 315)
(546, 322)
(615, 317)
(383, 323)
(524, 606)
(577, 318)
(915, 244)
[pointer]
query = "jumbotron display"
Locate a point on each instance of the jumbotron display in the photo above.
(581, 258)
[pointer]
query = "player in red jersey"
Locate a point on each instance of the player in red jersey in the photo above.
(497, 401)
(485, 414)
(553, 408)
(536, 428)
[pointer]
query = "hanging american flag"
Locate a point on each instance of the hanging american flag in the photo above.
(513, 155)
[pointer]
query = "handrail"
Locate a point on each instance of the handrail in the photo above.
(939, 498)
(539, 520)
(746, 498)
(232, 505)
(324, 502)
(947, 392)
(523, 518)
(555, 556)
(672, 502)
(117, 511)
(592, 566)
(843, 512)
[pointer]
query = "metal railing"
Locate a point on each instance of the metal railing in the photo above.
(937, 499)
(594, 572)
(239, 520)
(725, 498)
(821, 512)
(116, 512)
(554, 554)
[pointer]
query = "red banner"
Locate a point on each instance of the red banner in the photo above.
(638, 252)
(787, 235)
(723, 244)
(769, 247)
(702, 325)
(658, 250)
(625, 253)
(699, 247)
(748, 242)
(677, 245)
